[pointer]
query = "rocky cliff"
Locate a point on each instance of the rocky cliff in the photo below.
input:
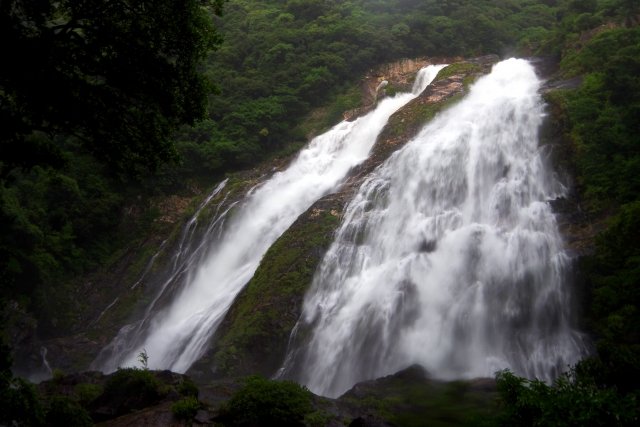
(398, 77)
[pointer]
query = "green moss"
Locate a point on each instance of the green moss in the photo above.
(457, 68)
(405, 123)
(390, 90)
(414, 116)
(255, 336)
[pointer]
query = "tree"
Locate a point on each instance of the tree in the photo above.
(268, 403)
(19, 404)
(117, 75)
(573, 400)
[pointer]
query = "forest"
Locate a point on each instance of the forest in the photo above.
(109, 105)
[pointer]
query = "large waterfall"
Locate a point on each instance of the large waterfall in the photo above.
(449, 256)
(175, 337)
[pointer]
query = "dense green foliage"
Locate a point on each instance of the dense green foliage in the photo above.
(187, 388)
(18, 400)
(66, 412)
(133, 388)
(186, 408)
(80, 400)
(603, 115)
(20, 404)
(570, 401)
(53, 224)
(279, 59)
(117, 76)
(90, 95)
(109, 91)
(267, 403)
(613, 279)
(104, 87)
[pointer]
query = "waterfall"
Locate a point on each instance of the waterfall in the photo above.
(449, 256)
(190, 249)
(175, 337)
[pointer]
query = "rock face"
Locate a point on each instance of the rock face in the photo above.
(401, 74)
(254, 335)
(399, 77)
(410, 397)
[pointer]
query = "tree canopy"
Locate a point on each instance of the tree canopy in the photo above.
(91, 92)
(117, 75)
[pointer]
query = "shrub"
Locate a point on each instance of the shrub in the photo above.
(267, 403)
(87, 392)
(186, 409)
(570, 401)
(132, 388)
(65, 412)
(19, 404)
(186, 387)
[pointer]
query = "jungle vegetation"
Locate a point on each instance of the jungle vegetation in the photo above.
(105, 104)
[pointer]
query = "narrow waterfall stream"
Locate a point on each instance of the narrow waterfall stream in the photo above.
(449, 256)
(175, 337)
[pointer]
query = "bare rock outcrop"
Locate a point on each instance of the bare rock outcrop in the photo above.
(399, 76)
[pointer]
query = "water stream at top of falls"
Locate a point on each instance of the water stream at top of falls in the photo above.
(449, 256)
(176, 336)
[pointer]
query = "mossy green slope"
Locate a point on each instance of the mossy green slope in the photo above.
(254, 334)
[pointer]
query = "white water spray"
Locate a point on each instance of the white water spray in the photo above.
(178, 335)
(449, 256)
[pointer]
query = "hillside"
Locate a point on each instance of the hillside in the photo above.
(89, 228)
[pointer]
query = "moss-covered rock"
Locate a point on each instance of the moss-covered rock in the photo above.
(410, 398)
(253, 337)
(458, 69)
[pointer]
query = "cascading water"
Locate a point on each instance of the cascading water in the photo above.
(188, 253)
(449, 256)
(176, 337)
